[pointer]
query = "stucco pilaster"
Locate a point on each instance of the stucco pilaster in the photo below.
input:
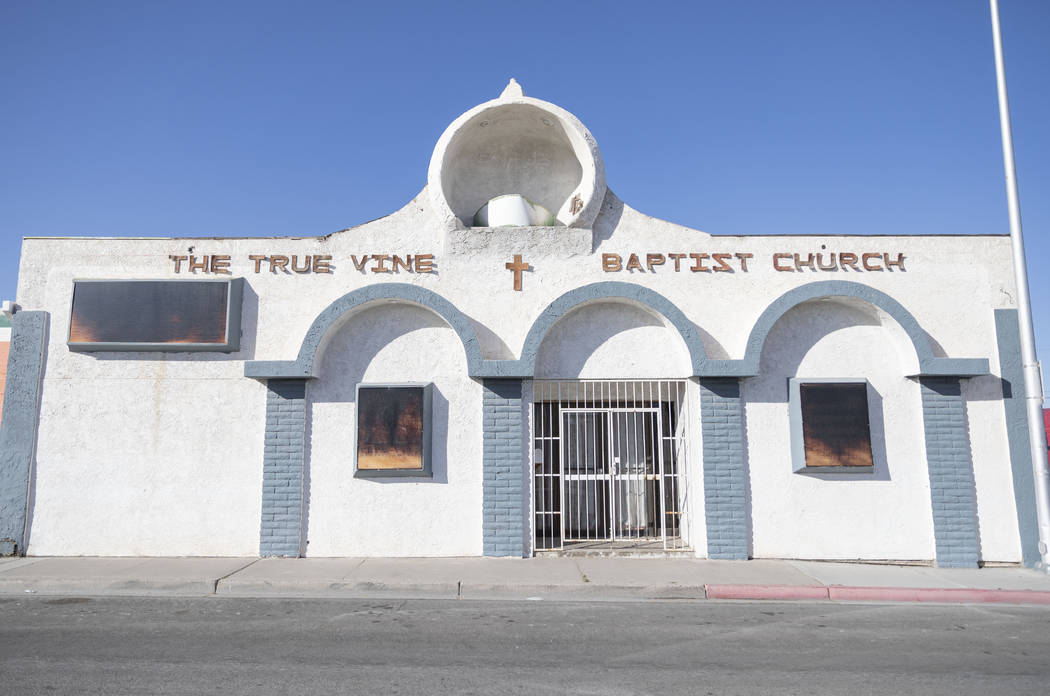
(18, 430)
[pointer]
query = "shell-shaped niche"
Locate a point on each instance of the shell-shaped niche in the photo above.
(516, 146)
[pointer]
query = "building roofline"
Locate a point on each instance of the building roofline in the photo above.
(720, 236)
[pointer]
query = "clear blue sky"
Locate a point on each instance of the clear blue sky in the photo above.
(751, 117)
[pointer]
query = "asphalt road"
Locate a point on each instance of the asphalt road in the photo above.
(77, 645)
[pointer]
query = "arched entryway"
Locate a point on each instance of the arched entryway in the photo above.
(610, 422)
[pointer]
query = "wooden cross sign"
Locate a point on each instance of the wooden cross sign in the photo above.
(518, 266)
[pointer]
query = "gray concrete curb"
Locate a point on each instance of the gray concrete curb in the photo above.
(369, 590)
(516, 579)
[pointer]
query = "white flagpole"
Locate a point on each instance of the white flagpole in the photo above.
(1032, 382)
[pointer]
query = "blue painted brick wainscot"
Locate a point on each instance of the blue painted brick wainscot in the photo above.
(280, 532)
(725, 477)
(502, 527)
(952, 492)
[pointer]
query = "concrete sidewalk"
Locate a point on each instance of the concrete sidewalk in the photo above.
(535, 578)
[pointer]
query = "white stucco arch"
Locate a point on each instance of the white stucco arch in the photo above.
(884, 514)
(612, 338)
(389, 343)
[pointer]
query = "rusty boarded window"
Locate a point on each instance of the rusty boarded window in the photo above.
(390, 428)
(835, 426)
(393, 429)
(119, 314)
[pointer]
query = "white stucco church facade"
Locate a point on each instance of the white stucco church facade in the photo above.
(518, 363)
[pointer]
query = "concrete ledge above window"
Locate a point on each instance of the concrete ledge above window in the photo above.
(393, 431)
(830, 426)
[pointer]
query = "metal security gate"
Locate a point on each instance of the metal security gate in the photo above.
(606, 464)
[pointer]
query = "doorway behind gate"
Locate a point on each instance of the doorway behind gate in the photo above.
(606, 464)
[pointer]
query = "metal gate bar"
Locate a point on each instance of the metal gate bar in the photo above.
(606, 463)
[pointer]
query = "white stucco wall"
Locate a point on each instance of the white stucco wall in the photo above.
(129, 401)
(996, 513)
(612, 340)
(156, 466)
(884, 515)
(143, 453)
(396, 516)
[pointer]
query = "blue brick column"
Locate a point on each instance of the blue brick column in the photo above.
(952, 491)
(25, 369)
(725, 477)
(502, 525)
(280, 533)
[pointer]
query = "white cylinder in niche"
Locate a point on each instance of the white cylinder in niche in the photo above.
(513, 210)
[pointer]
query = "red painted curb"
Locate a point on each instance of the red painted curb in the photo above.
(766, 592)
(938, 594)
(960, 595)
